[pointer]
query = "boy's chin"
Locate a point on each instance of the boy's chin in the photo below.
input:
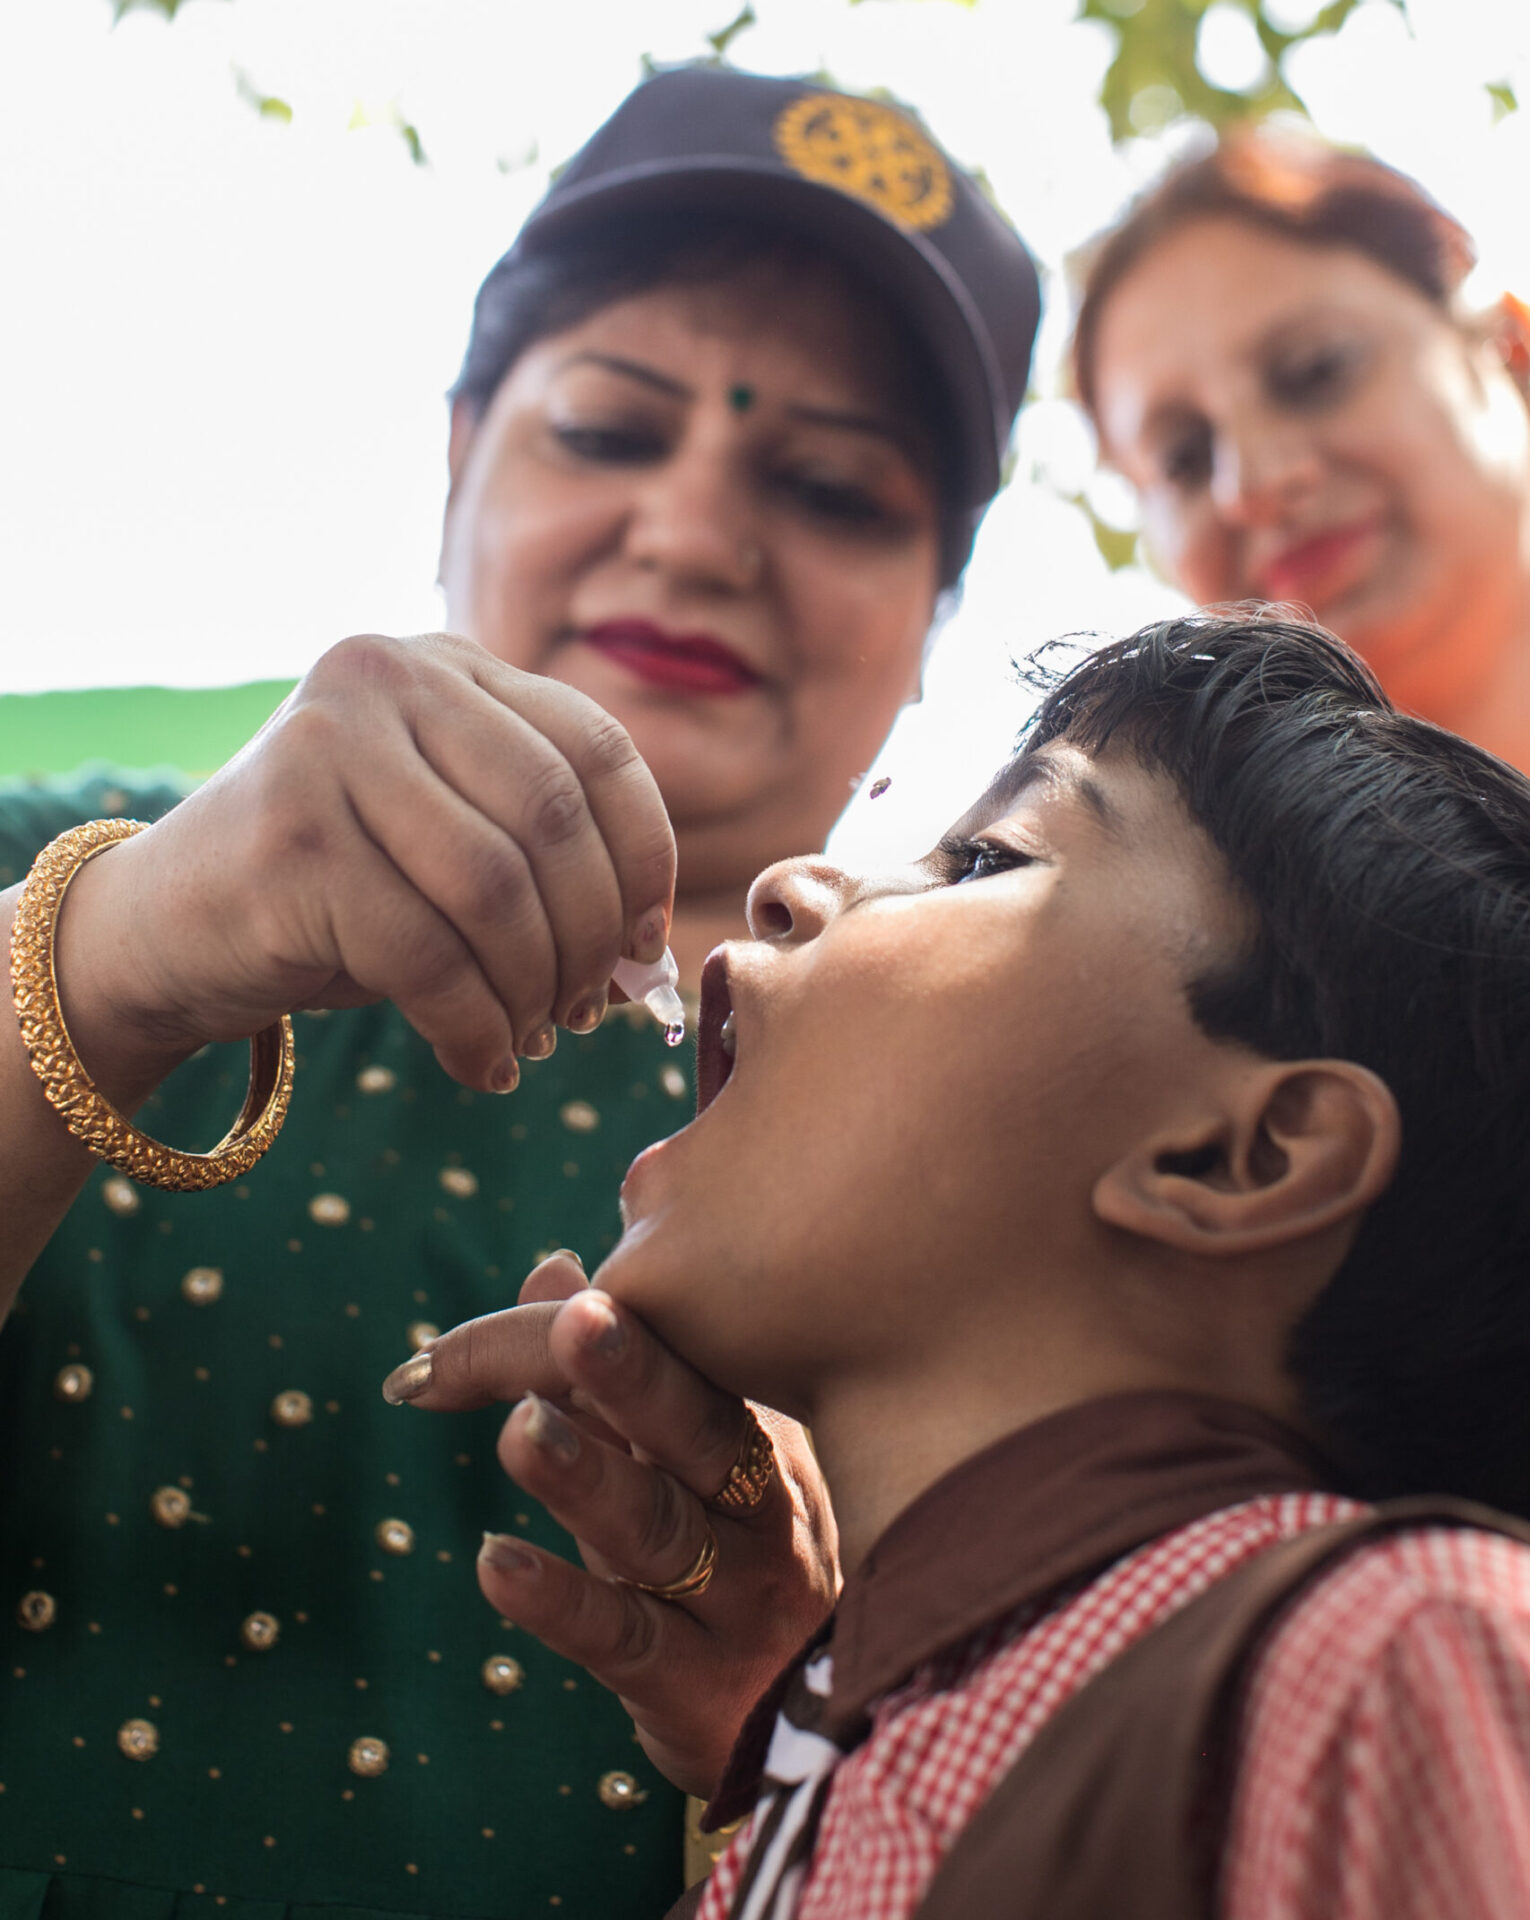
(677, 1296)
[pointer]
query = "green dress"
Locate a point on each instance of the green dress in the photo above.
(246, 1667)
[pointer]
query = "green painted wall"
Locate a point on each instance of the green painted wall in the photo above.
(193, 728)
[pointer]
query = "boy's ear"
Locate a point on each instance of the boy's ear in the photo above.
(1287, 1151)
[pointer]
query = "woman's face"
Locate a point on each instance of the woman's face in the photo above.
(1303, 425)
(930, 1070)
(703, 507)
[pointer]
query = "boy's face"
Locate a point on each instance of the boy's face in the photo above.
(932, 1069)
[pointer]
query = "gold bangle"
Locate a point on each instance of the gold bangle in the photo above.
(86, 1111)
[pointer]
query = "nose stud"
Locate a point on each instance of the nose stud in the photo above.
(741, 398)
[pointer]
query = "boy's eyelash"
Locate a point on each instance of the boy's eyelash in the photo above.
(979, 859)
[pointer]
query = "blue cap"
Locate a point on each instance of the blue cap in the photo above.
(862, 177)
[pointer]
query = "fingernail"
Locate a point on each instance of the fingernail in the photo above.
(540, 1042)
(506, 1076)
(588, 1014)
(610, 1338)
(409, 1381)
(501, 1551)
(566, 1253)
(650, 936)
(549, 1430)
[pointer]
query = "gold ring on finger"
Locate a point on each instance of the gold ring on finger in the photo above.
(752, 1472)
(696, 1578)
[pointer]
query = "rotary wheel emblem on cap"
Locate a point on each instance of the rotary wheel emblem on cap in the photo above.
(873, 153)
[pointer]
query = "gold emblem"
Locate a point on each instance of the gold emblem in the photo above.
(873, 153)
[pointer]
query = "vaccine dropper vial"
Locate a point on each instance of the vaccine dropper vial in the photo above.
(657, 986)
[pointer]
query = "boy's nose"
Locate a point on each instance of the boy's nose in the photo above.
(796, 899)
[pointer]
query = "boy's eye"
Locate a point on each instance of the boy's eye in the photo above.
(980, 860)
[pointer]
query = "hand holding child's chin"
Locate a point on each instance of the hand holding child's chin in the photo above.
(625, 1444)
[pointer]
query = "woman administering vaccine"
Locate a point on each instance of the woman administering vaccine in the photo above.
(731, 408)
(1276, 351)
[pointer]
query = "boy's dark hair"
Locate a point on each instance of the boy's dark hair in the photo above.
(533, 294)
(1387, 864)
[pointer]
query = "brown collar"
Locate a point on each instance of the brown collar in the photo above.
(1051, 1504)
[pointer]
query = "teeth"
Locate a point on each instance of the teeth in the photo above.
(728, 1037)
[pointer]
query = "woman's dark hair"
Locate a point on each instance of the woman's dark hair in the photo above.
(530, 295)
(1387, 866)
(1292, 185)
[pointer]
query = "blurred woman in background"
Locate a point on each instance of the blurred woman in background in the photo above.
(1274, 347)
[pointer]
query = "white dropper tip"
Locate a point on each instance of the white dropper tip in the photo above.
(657, 987)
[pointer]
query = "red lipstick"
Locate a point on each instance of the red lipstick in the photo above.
(1321, 566)
(677, 662)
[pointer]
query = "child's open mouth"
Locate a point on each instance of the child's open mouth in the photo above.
(716, 1041)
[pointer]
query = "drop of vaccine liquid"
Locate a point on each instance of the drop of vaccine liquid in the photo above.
(674, 1033)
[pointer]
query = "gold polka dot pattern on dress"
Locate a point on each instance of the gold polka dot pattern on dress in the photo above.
(501, 1674)
(368, 1756)
(36, 1611)
(73, 1383)
(377, 1079)
(329, 1209)
(419, 1331)
(170, 1506)
(579, 1116)
(202, 1285)
(458, 1181)
(138, 1739)
(260, 1631)
(394, 1536)
(293, 1408)
(618, 1789)
(121, 1195)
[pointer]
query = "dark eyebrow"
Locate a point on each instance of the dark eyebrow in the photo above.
(848, 422)
(633, 370)
(1026, 769)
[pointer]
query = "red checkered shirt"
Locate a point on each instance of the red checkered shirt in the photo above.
(1384, 1757)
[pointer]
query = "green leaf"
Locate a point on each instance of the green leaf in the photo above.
(1153, 78)
(720, 41)
(1117, 545)
(168, 8)
(1505, 100)
(268, 105)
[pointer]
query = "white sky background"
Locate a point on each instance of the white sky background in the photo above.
(224, 341)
